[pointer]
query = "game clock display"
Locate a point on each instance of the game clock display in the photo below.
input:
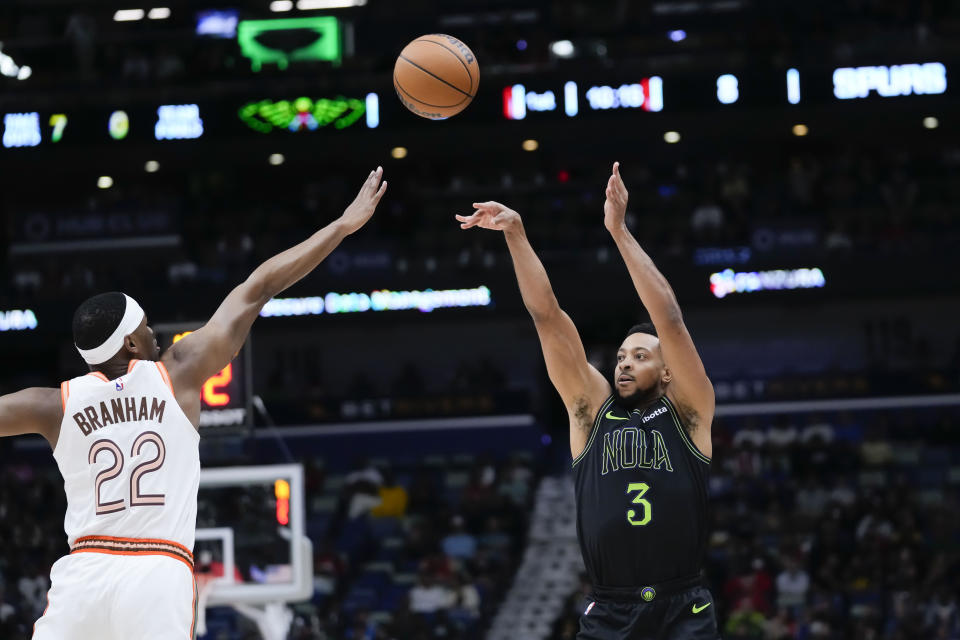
(225, 397)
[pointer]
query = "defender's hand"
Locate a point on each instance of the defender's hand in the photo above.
(615, 207)
(491, 215)
(363, 206)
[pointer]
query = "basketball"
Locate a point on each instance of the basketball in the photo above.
(436, 76)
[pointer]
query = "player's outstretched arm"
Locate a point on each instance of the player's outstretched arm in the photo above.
(33, 410)
(690, 388)
(582, 388)
(203, 353)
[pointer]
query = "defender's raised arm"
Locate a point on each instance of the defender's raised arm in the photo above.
(194, 359)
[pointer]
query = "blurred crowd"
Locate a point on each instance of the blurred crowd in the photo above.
(819, 202)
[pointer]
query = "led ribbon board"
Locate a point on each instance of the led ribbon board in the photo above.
(302, 114)
(898, 80)
(18, 320)
(729, 281)
(280, 41)
(381, 300)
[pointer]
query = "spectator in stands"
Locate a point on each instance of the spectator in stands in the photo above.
(876, 450)
(7, 610)
(745, 622)
(792, 586)
(362, 628)
(361, 489)
(752, 584)
(479, 496)
(33, 586)
(329, 567)
(811, 499)
(494, 542)
(942, 618)
(393, 497)
(515, 483)
(779, 627)
(459, 543)
(875, 523)
(429, 596)
(466, 598)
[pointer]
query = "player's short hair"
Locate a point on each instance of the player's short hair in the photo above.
(97, 318)
(643, 327)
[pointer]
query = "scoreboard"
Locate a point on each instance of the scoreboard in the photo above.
(352, 109)
(225, 399)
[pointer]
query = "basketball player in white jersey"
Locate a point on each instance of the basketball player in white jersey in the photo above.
(125, 439)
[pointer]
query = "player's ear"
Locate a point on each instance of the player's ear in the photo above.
(667, 375)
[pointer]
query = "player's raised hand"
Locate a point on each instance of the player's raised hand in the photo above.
(615, 207)
(491, 215)
(363, 206)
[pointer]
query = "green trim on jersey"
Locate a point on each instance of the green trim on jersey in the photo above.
(683, 432)
(593, 433)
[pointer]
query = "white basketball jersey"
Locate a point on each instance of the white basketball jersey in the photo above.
(129, 457)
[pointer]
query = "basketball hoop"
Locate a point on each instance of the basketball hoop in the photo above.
(205, 582)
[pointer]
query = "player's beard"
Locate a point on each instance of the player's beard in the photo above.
(638, 398)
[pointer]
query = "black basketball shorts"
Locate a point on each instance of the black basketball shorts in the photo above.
(673, 610)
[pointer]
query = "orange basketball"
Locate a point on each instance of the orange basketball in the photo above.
(436, 76)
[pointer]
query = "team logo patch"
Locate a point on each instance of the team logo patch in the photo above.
(589, 607)
(648, 594)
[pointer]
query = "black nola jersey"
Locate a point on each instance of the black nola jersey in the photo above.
(641, 490)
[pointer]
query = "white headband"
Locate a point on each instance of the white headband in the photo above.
(132, 317)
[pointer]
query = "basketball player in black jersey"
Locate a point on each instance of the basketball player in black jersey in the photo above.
(641, 447)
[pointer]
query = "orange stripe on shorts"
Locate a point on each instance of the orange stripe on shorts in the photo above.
(133, 547)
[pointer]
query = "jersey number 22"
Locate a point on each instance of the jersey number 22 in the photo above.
(145, 467)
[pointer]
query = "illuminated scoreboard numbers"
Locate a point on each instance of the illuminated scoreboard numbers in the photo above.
(646, 94)
(224, 397)
(178, 122)
(728, 88)
(281, 490)
(21, 129)
(59, 122)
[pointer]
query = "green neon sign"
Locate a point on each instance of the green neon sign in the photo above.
(302, 114)
(280, 41)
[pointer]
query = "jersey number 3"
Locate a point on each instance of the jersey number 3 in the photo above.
(145, 467)
(646, 512)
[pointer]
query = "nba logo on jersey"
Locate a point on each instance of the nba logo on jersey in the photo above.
(119, 384)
